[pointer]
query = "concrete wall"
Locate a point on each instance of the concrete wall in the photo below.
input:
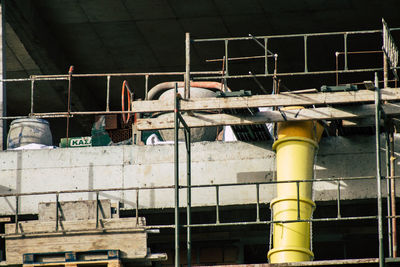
(212, 163)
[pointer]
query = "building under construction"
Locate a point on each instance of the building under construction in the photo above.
(174, 133)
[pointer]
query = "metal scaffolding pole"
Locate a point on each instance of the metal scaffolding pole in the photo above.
(189, 191)
(378, 173)
(176, 172)
(393, 194)
(388, 196)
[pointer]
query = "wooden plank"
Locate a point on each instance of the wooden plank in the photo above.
(46, 227)
(5, 219)
(326, 113)
(267, 101)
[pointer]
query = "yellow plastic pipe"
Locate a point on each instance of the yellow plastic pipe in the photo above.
(295, 150)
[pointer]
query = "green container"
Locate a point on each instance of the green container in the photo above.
(83, 141)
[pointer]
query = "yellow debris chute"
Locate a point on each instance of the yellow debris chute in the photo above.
(295, 151)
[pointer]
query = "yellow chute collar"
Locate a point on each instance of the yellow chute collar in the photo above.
(296, 138)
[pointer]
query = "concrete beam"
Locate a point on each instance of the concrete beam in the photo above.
(149, 166)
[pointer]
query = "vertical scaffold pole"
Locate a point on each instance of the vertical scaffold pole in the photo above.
(189, 196)
(388, 196)
(378, 172)
(176, 172)
(187, 64)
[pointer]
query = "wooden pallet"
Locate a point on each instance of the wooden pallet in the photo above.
(108, 263)
(111, 258)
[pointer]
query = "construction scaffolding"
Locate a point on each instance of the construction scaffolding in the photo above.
(385, 107)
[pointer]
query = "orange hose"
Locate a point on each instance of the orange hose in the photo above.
(125, 117)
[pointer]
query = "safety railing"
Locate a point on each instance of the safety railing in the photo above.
(217, 189)
(268, 54)
(34, 79)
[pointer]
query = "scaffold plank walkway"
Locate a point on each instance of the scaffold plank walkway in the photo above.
(325, 113)
(388, 94)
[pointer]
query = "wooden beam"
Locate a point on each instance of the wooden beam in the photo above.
(267, 101)
(326, 113)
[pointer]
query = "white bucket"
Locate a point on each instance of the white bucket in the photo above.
(27, 131)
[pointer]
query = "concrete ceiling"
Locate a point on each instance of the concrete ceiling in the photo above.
(99, 36)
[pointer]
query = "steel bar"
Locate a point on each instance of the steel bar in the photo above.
(57, 211)
(258, 202)
(337, 68)
(183, 186)
(378, 174)
(146, 87)
(226, 72)
(71, 69)
(283, 221)
(385, 71)
(64, 77)
(290, 35)
(97, 209)
(283, 74)
(32, 94)
(236, 58)
(187, 66)
(388, 196)
(108, 93)
(393, 193)
(189, 196)
(197, 225)
(176, 174)
(266, 55)
(345, 51)
(360, 52)
(137, 208)
(217, 204)
(87, 191)
(260, 44)
(338, 200)
(181, 120)
(16, 213)
(305, 54)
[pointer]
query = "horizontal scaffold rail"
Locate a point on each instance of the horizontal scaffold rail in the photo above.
(388, 94)
(324, 113)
